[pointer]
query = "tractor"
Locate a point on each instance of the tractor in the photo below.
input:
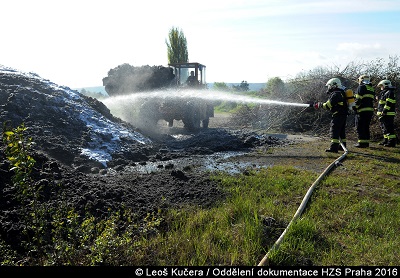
(192, 111)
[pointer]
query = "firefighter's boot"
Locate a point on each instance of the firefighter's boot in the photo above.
(361, 145)
(340, 148)
(384, 142)
(391, 143)
(334, 148)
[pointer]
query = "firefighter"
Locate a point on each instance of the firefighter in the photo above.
(386, 112)
(364, 109)
(337, 104)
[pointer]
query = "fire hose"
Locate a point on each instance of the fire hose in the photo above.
(299, 211)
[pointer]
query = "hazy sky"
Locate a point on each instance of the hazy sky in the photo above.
(76, 42)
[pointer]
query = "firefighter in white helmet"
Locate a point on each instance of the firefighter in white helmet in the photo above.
(337, 105)
(364, 108)
(386, 112)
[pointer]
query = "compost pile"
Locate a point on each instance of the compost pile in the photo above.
(86, 158)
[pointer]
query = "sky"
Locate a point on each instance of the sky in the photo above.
(75, 43)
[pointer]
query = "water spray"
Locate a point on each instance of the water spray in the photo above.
(146, 108)
(209, 95)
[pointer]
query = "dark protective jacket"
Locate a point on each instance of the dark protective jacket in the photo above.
(365, 97)
(387, 102)
(336, 102)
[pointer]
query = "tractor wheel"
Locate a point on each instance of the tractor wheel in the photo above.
(191, 123)
(191, 120)
(206, 122)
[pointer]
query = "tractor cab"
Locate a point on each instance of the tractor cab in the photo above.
(189, 75)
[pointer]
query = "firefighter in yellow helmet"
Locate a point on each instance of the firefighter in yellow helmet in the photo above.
(364, 109)
(386, 112)
(337, 105)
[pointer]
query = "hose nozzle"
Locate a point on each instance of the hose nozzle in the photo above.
(317, 105)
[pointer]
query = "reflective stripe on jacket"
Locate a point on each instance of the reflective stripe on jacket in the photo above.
(336, 103)
(365, 96)
(387, 102)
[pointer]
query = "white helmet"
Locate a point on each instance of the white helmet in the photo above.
(334, 83)
(385, 83)
(365, 78)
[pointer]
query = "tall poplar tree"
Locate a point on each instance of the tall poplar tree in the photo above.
(177, 47)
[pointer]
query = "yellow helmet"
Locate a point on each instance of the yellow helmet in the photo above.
(333, 83)
(385, 83)
(365, 78)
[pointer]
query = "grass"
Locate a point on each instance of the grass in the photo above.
(240, 218)
(351, 218)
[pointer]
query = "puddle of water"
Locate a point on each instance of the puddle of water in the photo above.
(232, 168)
(213, 163)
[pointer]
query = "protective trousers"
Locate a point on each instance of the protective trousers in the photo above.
(387, 126)
(362, 122)
(338, 131)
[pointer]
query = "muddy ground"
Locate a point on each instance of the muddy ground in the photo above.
(168, 179)
(176, 175)
(173, 171)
